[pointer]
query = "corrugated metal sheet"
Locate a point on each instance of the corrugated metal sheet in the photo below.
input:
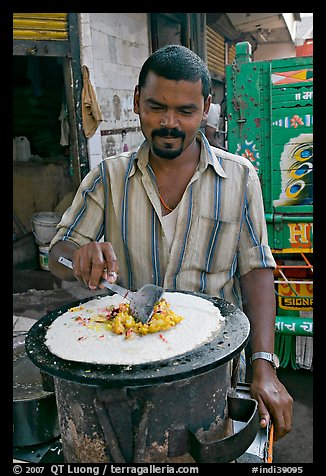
(40, 26)
(231, 54)
(215, 52)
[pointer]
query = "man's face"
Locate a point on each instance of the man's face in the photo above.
(170, 113)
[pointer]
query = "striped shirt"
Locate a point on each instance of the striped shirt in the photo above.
(220, 231)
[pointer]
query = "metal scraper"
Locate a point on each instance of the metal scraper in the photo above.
(142, 302)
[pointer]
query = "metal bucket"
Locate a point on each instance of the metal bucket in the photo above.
(44, 226)
(44, 257)
(35, 417)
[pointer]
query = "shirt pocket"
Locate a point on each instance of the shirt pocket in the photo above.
(213, 245)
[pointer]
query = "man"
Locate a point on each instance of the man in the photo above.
(212, 124)
(180, 214)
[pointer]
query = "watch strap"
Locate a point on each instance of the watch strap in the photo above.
(270, 357)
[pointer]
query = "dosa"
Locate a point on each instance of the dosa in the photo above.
(69, 339)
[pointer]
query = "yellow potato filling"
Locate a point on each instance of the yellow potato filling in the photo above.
(118, 319)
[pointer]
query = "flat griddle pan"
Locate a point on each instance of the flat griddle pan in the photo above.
(222, 348)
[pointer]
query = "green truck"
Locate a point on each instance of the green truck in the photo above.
(270, 121)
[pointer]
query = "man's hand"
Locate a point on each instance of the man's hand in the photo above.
(94, 261)
(91, 262)
(274, 401)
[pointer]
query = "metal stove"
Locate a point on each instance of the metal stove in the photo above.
(260, 451)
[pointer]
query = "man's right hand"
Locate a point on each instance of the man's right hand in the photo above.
(91, 262)
(94, 261)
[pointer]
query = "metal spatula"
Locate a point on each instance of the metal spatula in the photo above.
(142, 302)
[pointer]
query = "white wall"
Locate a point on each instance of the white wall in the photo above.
(273, 51)
(114, 47)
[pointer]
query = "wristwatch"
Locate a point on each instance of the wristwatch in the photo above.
(272, 358)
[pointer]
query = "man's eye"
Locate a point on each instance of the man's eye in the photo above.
(186, 111)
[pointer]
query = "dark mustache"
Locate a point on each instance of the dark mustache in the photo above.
(165, 132)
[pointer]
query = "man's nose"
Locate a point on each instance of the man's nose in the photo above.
(169, 120)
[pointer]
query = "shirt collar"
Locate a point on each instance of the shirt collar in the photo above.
(140, 158)
(207, 157)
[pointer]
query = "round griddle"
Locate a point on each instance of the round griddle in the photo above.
(222, 348)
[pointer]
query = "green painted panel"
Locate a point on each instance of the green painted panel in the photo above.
(270, 121)
(288, 63)
(292, 97)
(286, 235)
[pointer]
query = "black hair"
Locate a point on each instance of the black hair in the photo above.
(176, 62)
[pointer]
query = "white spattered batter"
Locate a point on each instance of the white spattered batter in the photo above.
(69, 340)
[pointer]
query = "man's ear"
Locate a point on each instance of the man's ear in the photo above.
(206, 106)
(136, 100)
